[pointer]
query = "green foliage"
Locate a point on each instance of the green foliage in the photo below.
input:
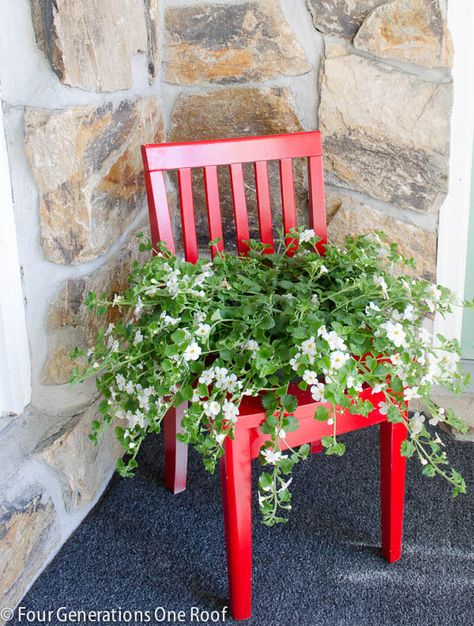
(212, 333)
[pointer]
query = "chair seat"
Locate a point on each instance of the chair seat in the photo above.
(252, 415)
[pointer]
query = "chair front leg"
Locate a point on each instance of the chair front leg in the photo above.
(236, 476)
(176, 452)
(392, 484)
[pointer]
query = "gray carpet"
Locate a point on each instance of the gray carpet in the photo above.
(143, 548)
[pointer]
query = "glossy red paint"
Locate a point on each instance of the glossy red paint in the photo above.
(236, 466)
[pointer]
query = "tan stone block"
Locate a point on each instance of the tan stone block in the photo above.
(28, 536)
(90, 43)
(69, 321)
(386, 132)
(414, 31)
(210, 43)
(87, 164)
(82, 466)
(349, 216)
(341, 18)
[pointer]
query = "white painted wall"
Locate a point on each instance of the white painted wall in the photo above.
(454, 214)
(15, 375)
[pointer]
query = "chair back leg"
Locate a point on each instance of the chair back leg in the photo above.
(392, 486)
(236, 475)
(176, 452)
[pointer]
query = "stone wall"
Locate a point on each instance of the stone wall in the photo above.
(85, 82)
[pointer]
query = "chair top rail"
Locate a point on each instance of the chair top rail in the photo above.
(174, 156)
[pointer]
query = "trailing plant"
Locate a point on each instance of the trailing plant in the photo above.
(211, 333)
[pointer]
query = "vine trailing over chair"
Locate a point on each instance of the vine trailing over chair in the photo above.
(213, 332)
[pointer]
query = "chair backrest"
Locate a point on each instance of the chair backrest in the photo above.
(233, 153)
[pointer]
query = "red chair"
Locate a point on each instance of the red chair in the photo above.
(236, 464)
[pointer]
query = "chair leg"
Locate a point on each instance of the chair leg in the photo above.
(392, 486)
(236, 476)
(176, 452)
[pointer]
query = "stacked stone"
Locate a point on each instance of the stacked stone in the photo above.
(113, 74)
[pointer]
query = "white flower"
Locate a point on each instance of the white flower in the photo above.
(395, 333)
(192, 352)
(335, 342)
(199, 317)
(338, 359)
(195, 397)
(206, 378)
(212, 408)
(410, 394)
(323, 269)
(395, 358)
(330, 421)
(138, 338)
(144, 398)
(372, 307)
(416, 423)
(308, 347)
(130, 387)
(434, 292)
(139, 307)
(120, 380)
(285, 485)
(317, 392)
(314, 298)
(168, 320)
(409, 313)
(307, 235)
(251, 344)
(310, 377)
(220, 374)
(383, 407)
(271, 456)
(437, 418)
(220, 437)
(230, 383)
(136, 419)
(378, 388)
(203, 330)
(230, 411)
(294, 361)
(380, 282)
(322, 332)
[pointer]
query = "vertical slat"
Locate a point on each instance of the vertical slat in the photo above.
(317, 208)
(188, 220)
(288, 202)
(160, 220)
(264, 204)
(240, 207)
(213, 207)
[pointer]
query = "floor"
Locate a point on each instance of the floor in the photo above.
(142, 548)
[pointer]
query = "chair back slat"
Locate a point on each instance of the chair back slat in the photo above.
(188, 220)
(264, 204)
(234, 153)
(213, 207)
(158, 210)
(288, 200)
(240, 207)
(317, 206)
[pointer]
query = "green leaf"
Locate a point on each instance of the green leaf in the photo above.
(289, 403)
(408, 448)
(321, 414)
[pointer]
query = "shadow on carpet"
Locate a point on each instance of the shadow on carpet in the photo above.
(142, 548)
